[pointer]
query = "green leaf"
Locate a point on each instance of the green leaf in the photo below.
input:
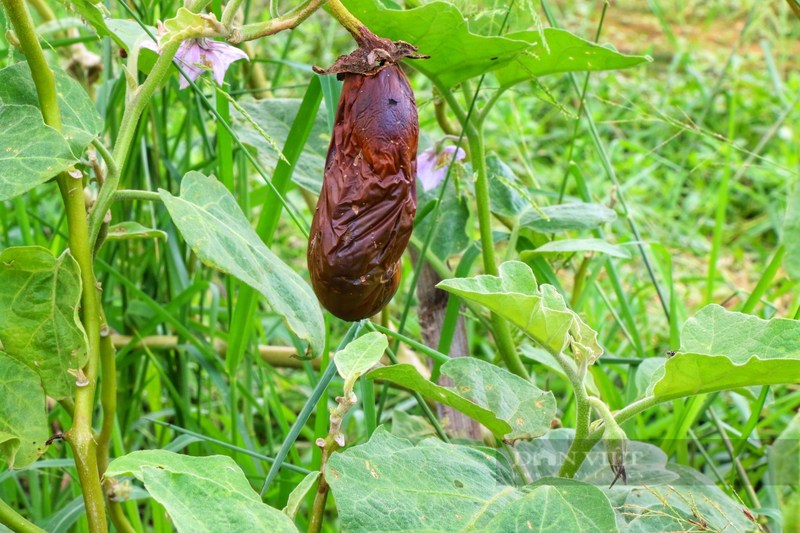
(80, 122)
(504, 200)
(93, 15)
(411, 427)
(568, 53)
(539, 312)
(451, 236)
(125, 231)
(565, 217)
(441, 31)
(216, 229)
(183, 25)
(30, 152)
(23, 414)
(389, 484)
(276, 116)
(556, 504)
(359, 356)
(429, 487)
(201, 494)
(299, 493)
(791, 233)
(509, 406)
(127, 33)
(691, 497)
(722, 350)
(569, 246)
(39, 320)
(408, 376)
(784, 455)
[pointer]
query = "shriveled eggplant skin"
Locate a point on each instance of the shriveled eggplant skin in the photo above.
(365, 214)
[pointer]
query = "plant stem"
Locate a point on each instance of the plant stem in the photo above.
(108, 401)
(519, 464)
(12, 520)
(580, 445)
(15, 522)
(346, 19)
(126, 195)
(127, 129)
(500, 328)
(80, 435)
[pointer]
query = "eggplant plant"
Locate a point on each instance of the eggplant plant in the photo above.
(152, 292)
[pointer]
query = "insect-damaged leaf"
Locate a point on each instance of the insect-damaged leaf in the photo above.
(39, 321)
(23, 417)
(201, 494)
(30, 151)
(435, 486)
(213, 225)
(80, 122)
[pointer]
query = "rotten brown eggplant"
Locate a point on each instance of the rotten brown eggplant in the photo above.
(365, 214)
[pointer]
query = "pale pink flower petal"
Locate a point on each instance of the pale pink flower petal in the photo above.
(429, 160)
(224, 54)
(426, 169)
(215, 55)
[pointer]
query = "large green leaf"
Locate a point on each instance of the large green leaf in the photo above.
(567, 53)
(30, 152)
(441, 31)
(565, 217)
(216, 229)
(484, 392)
(556, 504)
(570, 246)
(201, 494)
(691, 497)
(722, 350)
(23, 415)
(275, 116)
(80, 122)
(39, 321)
(538, 311)
(389, 484)
(791, 233)
(360, 355)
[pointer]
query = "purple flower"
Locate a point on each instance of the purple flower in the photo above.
(432, 165)
(214, 55)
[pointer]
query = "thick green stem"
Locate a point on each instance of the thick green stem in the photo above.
(133, 111)
(13, 521)
(500, 328)
(580, 445)
(345, 18)
(108, 400)
(80, 435)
